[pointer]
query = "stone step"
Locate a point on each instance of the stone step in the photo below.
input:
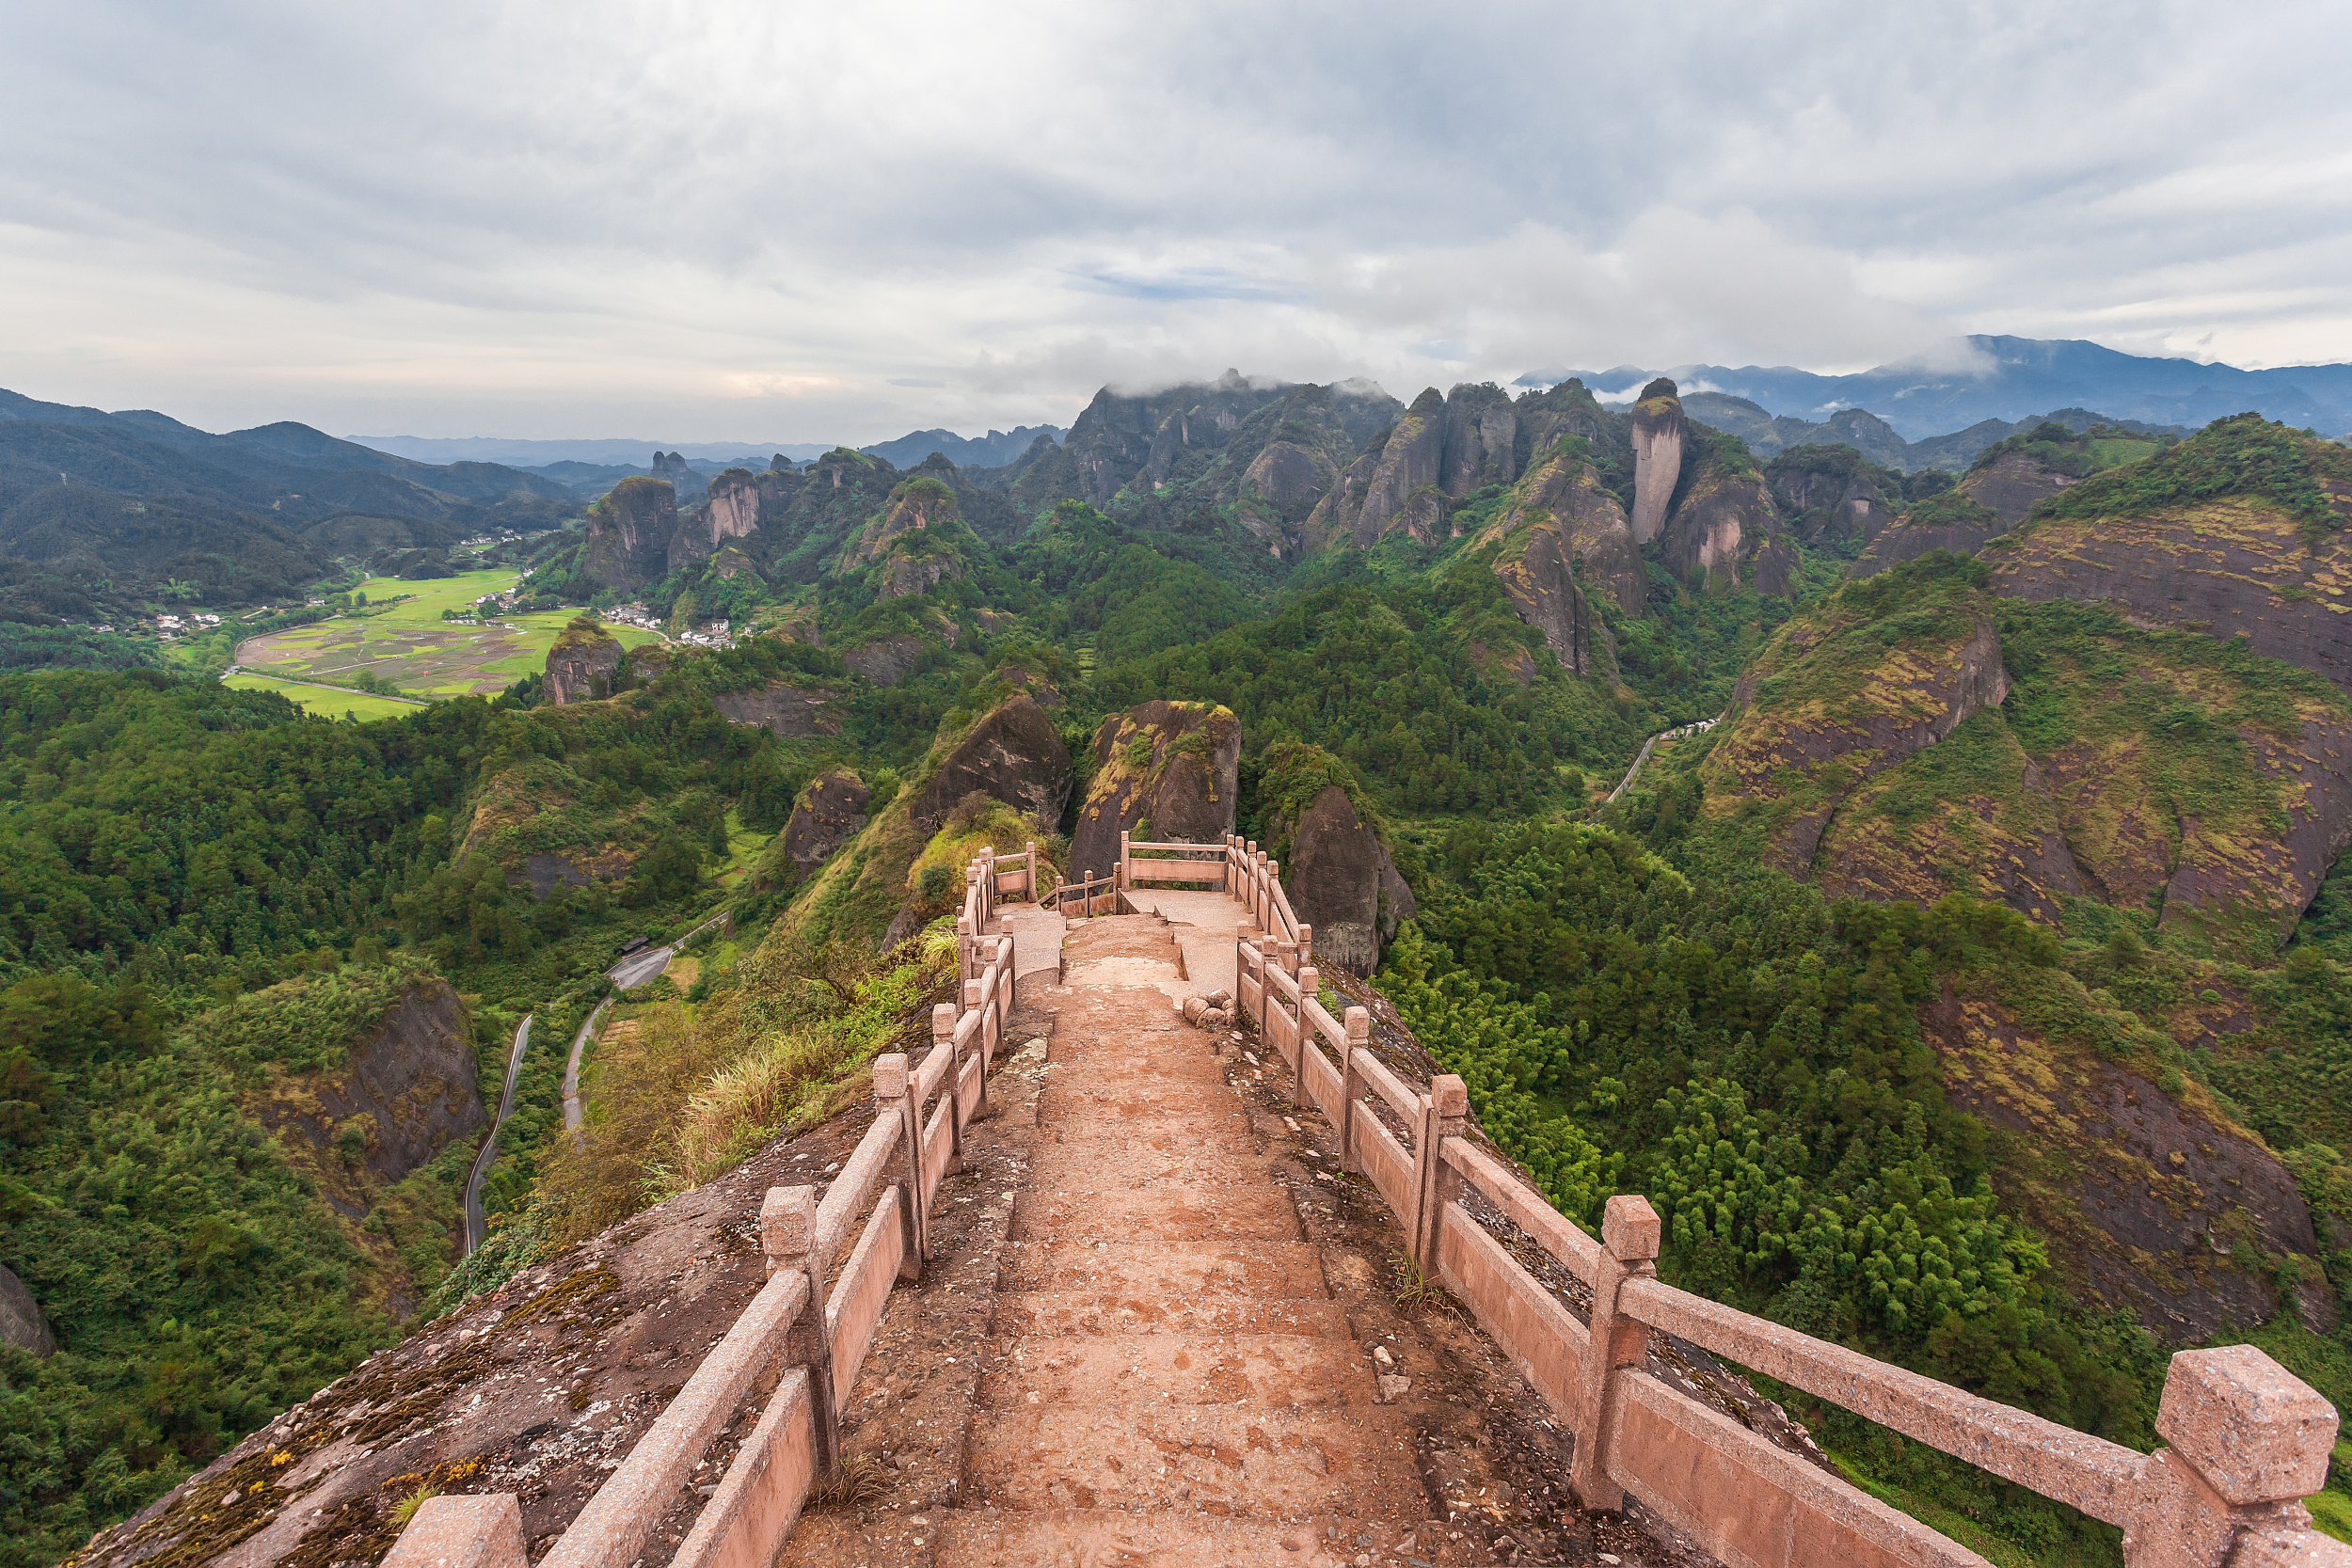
(1167, 1272)
(1099, 1538)
(1118, 1064)
(1192, 1211)
(1037, 1314)
(1082, 1104)
(1084, 1164)
(1270, 1372)
(1263, 1464)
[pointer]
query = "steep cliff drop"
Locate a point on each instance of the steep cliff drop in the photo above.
(1657, 457)
(630, 532)
(1334, 854)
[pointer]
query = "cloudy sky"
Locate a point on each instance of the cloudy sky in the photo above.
(778, 222)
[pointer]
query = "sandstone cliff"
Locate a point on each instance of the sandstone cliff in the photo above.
(1833, 493)
(1380, 483)
(1165, 771)
(915, 543)
(1561, 497)
(831, 811)
(630, 532)
(1482, 445)
(784, 709)
(739, 500)
(1953, 521)
(1657, 457)
(20, 1321)
(1721, 531)
(2013, 484)
(1011, 753)
(581, 665)
(1336, 866)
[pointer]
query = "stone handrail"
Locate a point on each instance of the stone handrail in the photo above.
(810, 1326)
(2246, 1440)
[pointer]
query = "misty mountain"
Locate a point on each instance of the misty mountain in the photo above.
(2016, 376)
(1768, 435)
(991, 451)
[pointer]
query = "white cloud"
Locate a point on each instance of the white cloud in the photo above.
(736, 220)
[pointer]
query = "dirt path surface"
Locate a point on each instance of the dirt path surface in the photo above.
(1158, 1329)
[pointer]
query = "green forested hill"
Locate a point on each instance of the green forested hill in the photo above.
(1965, 825)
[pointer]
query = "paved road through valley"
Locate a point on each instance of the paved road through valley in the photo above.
(476, 1226)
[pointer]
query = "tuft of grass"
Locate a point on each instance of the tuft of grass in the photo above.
(862, 1481)
(1414, 1290)
(407, 1508)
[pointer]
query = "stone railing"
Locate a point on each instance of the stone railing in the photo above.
(807, 1330)
(2246, 1441)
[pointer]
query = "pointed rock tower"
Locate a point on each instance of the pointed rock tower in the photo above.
(1656, 456)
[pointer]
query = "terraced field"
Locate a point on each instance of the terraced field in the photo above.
(412, 647)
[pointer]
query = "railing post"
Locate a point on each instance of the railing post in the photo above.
(787, 1226)
(944, 1038)
(1029, 854)
(483, 1530)
(1443, 1111)
(964, 940)
(1308, 983)
(2248, 1442)
(1358, 1024)
(1629, 1234)
(1306, 954)
(892, 1082)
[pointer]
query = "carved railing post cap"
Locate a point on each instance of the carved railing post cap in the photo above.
(942, 1021)
(1629, 1228)
(1358, 1024)
(890, 1074)
(2254, 1431)
(786, 1217)
(1449, 1094)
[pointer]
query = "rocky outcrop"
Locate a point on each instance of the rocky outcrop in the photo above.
(2012, 483)
(408, 1087)
(913, 544)
(1341, 881)
(1535, 571)
(885, 660)
(828, 814)
(784, 708)
(20, 1321)
(1289, 478)
(1723, 532)
(1952, 521)
(2153, 1192)
(1379, 485)
(1480, 439)
(581, 665)
(1562, 496)
(1790, 764)
(1013, 753)
(1165, 771)
(672, 469)
(630, 532)
(740, 499)
(1831, 493)
(2233, 567)
(1658, 430)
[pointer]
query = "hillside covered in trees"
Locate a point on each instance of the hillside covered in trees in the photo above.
(1996, 892)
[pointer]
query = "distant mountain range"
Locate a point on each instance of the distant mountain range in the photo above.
(2016, 378)
(708, 458)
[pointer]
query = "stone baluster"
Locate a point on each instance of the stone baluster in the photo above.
(2246, 1441)
(787, 1226)
(893, 1096)
(1358, 1030)
(944, 1038)
(1628, 1239)
(483, 1530)
(1444, 1110)
(1307, 982)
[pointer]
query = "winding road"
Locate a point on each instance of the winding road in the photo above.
(1697, 726)
(638, 969)
(476, 1226)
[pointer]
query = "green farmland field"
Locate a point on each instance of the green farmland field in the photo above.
(412, 647)
(323, 700)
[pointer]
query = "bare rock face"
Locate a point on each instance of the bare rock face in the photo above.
(672, 469)
(581, 664)
(783, 708)
(1480, 439)
(21, 1321)
(414, 1078)
(828, 814)
(1723, 531)
(1341, 881)
(1953, 521)
(2160, 1189)
(1013, 755)
(886, 661)
(1289, 478)
(1378, 484)
(2231, 568)
(1169, 771)
(1657, 457)
(738, 500)
(630, 532)
(1561, 495)
(2011, 485)
(1829, 493)
(1806, 761)
(908, 547)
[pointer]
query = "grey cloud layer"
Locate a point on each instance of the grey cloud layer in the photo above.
(785, 222)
